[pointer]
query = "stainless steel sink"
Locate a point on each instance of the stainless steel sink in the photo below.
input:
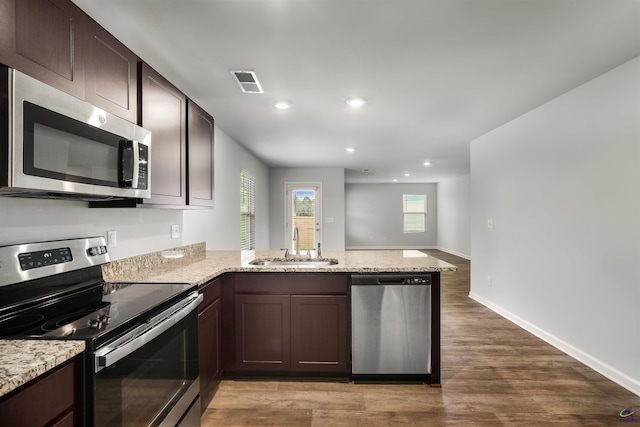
(294, 262)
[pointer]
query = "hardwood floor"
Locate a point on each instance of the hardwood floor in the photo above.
(493, 374)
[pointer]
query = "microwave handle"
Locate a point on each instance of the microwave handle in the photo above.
(129, 163)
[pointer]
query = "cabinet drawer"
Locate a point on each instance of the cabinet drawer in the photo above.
(292, 283)
(211, 292)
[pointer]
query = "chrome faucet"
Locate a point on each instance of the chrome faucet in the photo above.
(286, 252)
(297, 240)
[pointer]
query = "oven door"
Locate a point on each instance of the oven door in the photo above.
(149, 376)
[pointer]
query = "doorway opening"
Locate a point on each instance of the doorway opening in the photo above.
(303, 210)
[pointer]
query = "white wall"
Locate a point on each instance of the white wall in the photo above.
(332, 203)
(562, 184)
(145, 230)
(220, 226)
(374, 216)
(138, 230)
(454, 211)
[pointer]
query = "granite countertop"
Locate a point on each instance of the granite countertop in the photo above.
(23, 360)
(216, 263)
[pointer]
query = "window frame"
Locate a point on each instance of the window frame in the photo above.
(408, 227)
(247, 210)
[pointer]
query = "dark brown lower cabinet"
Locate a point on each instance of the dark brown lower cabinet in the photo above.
(263, 332)
(52, 399)
(291, 324)
(319, 335)
(209, 340)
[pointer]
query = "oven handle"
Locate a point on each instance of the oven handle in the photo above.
(143, 334)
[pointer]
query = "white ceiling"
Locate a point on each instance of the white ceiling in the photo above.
(435, 73)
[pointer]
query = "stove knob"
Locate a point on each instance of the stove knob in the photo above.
(95, 323)
(104, 319)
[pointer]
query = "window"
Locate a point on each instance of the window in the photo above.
(414, 209)
(247, 211)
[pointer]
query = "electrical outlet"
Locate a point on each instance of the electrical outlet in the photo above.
(175, 231)
(490, 223)
(111, 239)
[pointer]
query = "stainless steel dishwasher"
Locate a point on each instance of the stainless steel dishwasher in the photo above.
(391, 326)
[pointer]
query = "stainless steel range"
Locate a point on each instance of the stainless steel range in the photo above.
(141, 362)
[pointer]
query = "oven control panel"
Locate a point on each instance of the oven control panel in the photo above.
(29, 260)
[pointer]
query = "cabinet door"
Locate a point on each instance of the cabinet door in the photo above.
(209, 342)
(111, 73)
(200, 156)
(41, 38)
(263, 333)
(46, 400)
(319, 334)
(164, 114)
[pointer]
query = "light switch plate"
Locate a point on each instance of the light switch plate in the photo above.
(175, 231)
(112, 239)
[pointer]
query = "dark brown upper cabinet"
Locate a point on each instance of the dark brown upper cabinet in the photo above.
(164, 112)
(42, 38)
(200, 156)
(110, 73)
(58, 44)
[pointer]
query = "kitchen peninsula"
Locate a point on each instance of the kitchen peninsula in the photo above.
(229, 282)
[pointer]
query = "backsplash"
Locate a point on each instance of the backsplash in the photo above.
(137, 268)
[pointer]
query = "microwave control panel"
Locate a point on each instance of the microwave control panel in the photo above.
(143, 176)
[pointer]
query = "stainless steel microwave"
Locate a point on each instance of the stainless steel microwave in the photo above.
(53, 145)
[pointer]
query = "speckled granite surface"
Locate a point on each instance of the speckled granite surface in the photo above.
(23, 360)
(137, 268)
(218, 262)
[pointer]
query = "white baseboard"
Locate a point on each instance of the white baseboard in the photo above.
(386, 248)
(459, 254)
(597, 365)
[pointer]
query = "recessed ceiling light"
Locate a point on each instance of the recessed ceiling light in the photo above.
(282, 105)
(395, 179)
(355, 102)
(407, 174)
(427, 163)
(350, 150)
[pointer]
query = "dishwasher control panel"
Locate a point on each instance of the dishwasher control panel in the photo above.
(391, 279)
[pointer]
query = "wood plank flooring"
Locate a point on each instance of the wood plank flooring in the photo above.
(493, 374)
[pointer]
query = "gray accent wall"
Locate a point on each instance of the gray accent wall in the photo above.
(374, 217)
(138, 231)
(562, 186)
(220, 226)
(454, 211)
(333, 196)
(145, 230)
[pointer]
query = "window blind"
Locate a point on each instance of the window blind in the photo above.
(414, 209)
(247, 211)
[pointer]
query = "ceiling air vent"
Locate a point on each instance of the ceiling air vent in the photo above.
(247, 81)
